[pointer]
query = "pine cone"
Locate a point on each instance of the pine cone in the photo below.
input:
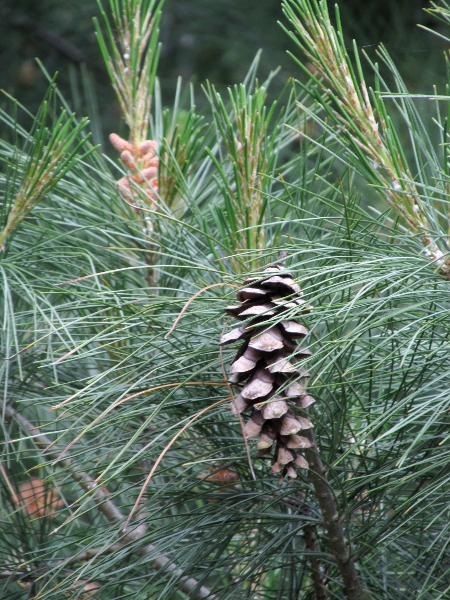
(268, 367)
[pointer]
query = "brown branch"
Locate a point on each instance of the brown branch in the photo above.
(317, 572)
(309, 535)
(189, 585)
(31, 575)
(86, 555)
(339, 544)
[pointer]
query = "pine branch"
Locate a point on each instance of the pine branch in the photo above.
(317, 572)
(361, 120)
(333, 522)
(87, 555)
(129, 46)
(189, 585)
(54, 153)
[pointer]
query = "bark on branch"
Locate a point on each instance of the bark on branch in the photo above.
(339, 544)
(162, 563)
(317, 572)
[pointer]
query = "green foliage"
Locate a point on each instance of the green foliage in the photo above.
(246, 165)
(130, 50)
(371, 143)
(107, 378)
(51, 154)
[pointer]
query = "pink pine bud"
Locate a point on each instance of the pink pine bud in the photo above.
(147, 147)
(137, 178)
(152, 189)
(124, 184)
(150, 173)
(150, 161)
(127, 158)
(119, 143)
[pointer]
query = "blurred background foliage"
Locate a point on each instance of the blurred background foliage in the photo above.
(202, 39)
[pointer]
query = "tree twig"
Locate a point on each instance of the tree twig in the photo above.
(189, 585)
(309, 535)
(339, 544)
(317, 572)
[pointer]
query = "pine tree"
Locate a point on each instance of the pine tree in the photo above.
(123, 471)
